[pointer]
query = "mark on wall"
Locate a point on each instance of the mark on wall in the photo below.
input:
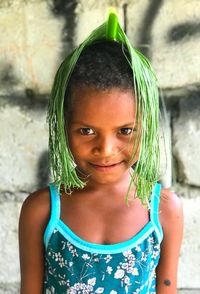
(188, 120)
(33, 103)
(7, 76)
(66, 9)
(183, 32)
(147, 24)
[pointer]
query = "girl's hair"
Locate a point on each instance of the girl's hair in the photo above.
(101, 66)
(104, 60)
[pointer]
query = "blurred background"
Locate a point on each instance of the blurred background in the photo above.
(35, 35)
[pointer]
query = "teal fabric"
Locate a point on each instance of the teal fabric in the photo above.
(73, 265)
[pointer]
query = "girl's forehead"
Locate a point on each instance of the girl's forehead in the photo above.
(111, 104)
(88, 95)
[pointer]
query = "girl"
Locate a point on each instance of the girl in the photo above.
(79, 235)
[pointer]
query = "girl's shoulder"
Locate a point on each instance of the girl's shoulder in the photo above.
(170, 209)
(35, 213)
(171, 219)
(36, 208)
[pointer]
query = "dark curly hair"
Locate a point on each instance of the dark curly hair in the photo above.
(102, 66)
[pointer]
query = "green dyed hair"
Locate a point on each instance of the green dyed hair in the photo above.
(146, 170)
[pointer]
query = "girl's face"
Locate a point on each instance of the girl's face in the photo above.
(102, 132)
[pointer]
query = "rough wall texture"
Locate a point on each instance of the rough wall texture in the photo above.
(35, 35)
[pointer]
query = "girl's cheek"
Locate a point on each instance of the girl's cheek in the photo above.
(134, 151)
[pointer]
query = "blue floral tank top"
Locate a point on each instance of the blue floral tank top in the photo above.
(74, 266)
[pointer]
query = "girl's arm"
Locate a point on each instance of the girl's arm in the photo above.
(33, 220)
(171, 219)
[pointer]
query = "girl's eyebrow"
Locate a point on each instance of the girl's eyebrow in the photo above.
(90, 126)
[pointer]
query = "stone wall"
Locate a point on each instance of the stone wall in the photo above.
(35, 36)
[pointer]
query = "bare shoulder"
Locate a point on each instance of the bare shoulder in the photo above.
(40, 197)
(171, 219)
(170, 209)
(36, 208)
(34, 217)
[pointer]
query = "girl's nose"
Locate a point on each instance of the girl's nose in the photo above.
(105, 147)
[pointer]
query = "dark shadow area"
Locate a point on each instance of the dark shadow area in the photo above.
(183, 32)
(147, 24)
(186, 105)
(43, 176)
(66, 10)
(7, 76)
(32, 103)
(172, 96)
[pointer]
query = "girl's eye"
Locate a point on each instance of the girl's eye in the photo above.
(86, 131)
(126, 131)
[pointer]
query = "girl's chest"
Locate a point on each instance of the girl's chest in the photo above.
(104, 226)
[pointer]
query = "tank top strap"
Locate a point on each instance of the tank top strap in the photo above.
(154, 211)
(55, 213)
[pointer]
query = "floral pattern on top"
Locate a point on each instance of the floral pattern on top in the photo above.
(70, 269)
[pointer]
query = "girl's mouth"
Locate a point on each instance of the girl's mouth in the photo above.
(105, 168)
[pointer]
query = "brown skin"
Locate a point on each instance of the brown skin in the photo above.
(102, 124)
(33, 220)
(171, 219)
(104, 139)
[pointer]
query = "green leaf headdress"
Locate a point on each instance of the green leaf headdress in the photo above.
(146, 170)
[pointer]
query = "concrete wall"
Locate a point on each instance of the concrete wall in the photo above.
(35, 36)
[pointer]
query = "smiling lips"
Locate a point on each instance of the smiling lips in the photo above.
(105, 168)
